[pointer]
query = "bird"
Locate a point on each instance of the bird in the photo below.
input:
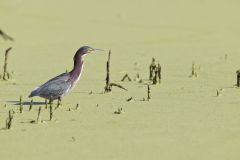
(59, 86)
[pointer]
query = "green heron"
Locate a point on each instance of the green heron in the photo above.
(59, 86)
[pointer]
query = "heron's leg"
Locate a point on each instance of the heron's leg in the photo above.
(50, 101)
(59, 103)
(51, 108)
(46, 104)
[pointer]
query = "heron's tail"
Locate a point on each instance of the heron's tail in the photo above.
(35, 92)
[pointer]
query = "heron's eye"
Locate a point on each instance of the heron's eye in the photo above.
(90, 50)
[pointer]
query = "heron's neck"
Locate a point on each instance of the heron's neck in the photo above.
(77, 69)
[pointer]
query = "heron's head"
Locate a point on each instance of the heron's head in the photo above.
(85, 50)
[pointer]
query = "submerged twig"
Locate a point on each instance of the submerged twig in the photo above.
(193, 72)
(77, 107)
(9, 120)
(20, 105)
(119, 111)
(117, 85)
(137, 78)
(5, 36)
(126, 76)
(218, 93)
(130, 99)
(226, 57)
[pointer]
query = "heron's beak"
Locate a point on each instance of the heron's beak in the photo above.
(96, 50)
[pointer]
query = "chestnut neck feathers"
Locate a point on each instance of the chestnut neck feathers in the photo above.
(77, 68)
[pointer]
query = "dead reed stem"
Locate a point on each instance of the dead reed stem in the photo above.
(148, 93)
(238, 78)
(5, 72)
(108, 87)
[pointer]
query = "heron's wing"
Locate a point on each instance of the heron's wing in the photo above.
(54, 87)
(63, 76)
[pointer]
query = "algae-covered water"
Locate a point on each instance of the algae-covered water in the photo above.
(184, 120)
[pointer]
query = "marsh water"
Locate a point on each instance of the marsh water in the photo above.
(184, 119)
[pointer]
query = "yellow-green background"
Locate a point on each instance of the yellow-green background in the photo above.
(183, 121)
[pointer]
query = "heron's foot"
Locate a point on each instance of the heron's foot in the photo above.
(59, 103)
